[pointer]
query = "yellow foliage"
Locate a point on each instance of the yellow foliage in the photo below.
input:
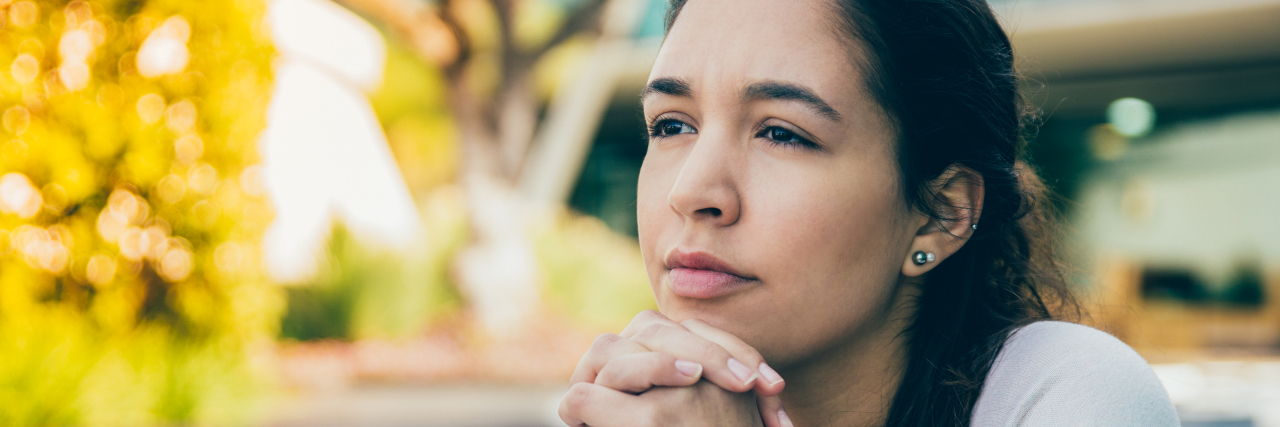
(129, 284)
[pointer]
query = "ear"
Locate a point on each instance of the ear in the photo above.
(958, 193)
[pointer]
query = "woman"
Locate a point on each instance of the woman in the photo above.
(833, 196)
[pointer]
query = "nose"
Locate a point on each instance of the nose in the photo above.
(706, 190)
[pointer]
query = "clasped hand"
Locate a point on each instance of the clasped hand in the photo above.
(658, 372)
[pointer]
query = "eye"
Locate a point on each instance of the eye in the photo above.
(783, 136)
(669, 127)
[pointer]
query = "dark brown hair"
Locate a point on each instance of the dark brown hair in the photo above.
(943, 72)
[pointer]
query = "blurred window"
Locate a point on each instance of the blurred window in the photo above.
(1244, 288)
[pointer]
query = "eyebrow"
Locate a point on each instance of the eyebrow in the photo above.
(765, 90)
(667, 85)
(771, 89)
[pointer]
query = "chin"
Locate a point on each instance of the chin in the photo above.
(738, 316)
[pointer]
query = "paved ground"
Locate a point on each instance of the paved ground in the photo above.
(1225, 392)
(425, 406)
(1208, 393)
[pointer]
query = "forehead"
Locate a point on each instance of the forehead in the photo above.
(721, 44)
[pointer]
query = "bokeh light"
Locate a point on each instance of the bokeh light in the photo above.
(17, 119)
(77, 13)
(1131, 117)
(43, 249)
(75, 46)
(100, 270)
(150, 108)
(25, 68)
(229, 257)
(23, 14)
(176, 263)
(18, 196)
(133, 243)
(165, 49)
(154, 242)
(74, 75)
(203, 179)
(1105, 143)
(188, 148)
(180, 117)
(171, 188)
(83, 35)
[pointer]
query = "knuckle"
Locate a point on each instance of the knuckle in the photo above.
(580, 374)
(603, 341)
(606, 377)
(577, 397)
(658, 359)
(747, 353)
(642, 318)
(710, 351)
(729, 342)
(612, 374)
(647, 317)
(630, 374)
(650, 315)
(651, 331)
(566, 412)
(657, 363)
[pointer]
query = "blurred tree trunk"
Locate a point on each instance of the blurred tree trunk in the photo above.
(505, 185)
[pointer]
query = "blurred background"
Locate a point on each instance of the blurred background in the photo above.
(417, 212)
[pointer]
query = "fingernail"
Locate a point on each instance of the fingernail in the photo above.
(741, 371)
(784, 419)
(769, 374)
(688, 369)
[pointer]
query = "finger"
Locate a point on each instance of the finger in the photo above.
(720, 368)
(770, 383)
(645, 319)
(720, 371)
(635, 373)
(598, 406)
(771, 411)
(604, 348)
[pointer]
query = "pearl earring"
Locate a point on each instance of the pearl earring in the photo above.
(922, 257)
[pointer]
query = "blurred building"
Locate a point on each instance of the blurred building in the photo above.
(1163, 132)
(326, 157)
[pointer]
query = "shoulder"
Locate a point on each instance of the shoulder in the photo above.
(1056, 373)
(1051, 343)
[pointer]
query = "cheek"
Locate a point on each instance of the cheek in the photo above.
(829, 228)
(829, 255)
(653, 213)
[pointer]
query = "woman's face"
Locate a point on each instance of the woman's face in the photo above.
(769, 201)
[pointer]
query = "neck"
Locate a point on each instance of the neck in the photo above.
(853, 382)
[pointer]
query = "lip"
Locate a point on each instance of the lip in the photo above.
(701, 275)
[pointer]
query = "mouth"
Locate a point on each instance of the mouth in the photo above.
(701, 275)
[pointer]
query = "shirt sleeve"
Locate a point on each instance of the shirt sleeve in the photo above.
(1062, 374)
